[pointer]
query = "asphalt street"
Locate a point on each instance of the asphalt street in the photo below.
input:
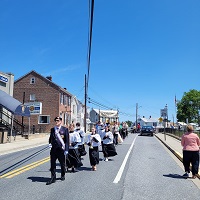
(148, 171)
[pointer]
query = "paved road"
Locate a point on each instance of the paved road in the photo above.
(149, 173)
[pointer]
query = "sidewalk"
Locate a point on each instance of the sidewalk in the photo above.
(173, 144)
(22, 144)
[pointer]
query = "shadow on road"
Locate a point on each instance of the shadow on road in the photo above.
(38, 179)
(174, 176)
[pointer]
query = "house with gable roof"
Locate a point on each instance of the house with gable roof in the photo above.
(148, 122)
(104, 116)
(45, 99)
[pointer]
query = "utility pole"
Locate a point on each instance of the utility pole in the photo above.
(99, 115)
(136, 114)
(166, 107)
(85, 104)
(23, 116)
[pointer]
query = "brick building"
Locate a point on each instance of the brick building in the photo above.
(45, 100)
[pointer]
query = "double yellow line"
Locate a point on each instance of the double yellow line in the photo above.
(25, 168)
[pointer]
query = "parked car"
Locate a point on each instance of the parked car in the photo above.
(147, 130)
(131, 129)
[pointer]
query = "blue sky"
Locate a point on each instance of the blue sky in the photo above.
(143, 51)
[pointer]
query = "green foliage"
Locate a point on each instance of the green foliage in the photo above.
(189, 106)
(129, 123)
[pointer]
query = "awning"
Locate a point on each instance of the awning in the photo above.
(13, 105)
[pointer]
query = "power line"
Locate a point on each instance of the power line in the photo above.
(94, 102)
(88, 59)
(90, 41)
(98, 104)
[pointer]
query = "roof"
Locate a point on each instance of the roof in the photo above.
(149, 120)
(46, 80)
(13, 105)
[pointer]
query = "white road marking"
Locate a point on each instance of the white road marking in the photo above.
(120, 172)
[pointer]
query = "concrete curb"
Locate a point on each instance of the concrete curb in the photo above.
(177, 154)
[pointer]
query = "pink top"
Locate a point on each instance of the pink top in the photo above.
(190, 142)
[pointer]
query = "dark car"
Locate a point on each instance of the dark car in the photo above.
(147, 130)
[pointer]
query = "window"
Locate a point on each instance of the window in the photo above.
(44, 119)
(61, 98)
(69, 100)
(32, 97)
(73, 109)
(65, 100)
(32, 80)
(2, 84)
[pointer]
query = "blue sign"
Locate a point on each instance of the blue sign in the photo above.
(35, 108)
(3, 79)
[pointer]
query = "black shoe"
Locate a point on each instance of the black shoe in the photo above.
(52, 180)
(62, 178)
(74, 170)
(67, 170)
(186, 175)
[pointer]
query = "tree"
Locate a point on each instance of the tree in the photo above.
(189, 106)
(129, 123)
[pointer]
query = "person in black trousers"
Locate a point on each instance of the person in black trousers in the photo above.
(190, 142)
(59, 144)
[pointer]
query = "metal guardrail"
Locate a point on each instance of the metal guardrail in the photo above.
(176, 132)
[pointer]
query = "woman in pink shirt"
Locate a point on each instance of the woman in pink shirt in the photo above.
(190, 142)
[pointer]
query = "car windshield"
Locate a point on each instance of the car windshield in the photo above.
(147, 127)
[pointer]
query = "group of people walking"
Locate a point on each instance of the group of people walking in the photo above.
(68, 145)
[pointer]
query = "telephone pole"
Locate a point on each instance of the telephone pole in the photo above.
(136, 114)
(85, 113)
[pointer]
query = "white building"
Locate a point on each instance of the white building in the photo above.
(103, 116)
(6, 85)
(148, 122)
(78, 113)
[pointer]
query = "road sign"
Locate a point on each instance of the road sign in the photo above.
(163, 113)
(160, 119)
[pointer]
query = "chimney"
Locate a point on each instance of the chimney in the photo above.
(49, 77)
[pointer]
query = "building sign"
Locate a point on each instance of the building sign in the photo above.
(3, 79)
(34, 107)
